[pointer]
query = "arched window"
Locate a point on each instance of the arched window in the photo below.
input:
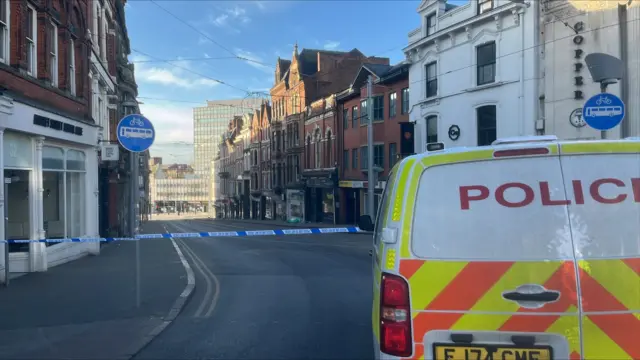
(318, 139)
(329, 150)
(308, 152)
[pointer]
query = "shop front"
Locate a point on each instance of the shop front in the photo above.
(295, 205)
(320, 202)
(50, 167)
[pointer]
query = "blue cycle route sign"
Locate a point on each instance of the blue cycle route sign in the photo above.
(136, 133)
(603, 111)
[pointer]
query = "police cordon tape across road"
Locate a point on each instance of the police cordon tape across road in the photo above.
(349, 229)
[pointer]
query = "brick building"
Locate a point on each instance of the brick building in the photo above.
(392, 133)
(304, 120)
(51, 125)
(261, 185)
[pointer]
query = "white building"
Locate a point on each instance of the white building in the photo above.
(473, 72)
(573, 29)
(50, 166)
(103, 85)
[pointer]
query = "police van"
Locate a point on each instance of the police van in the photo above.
(527, 249)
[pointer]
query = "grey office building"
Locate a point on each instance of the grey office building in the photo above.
(209, 123)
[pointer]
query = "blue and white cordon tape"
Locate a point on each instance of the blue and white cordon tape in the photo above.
(349, 229)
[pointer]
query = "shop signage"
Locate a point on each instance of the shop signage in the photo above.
(56, 125)
(320, 182)
(110, 152)
(353, 184)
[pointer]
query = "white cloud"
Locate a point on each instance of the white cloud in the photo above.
(174, 128)
(253, 60)
(331, 45)
(229, 17)
(170, 75)
(207, 56)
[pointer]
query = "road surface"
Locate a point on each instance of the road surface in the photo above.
(271, 297)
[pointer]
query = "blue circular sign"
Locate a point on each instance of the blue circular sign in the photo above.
(136, 133)
(603, 111)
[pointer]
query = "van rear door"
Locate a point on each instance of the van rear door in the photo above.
(497, 273)
(602, 181)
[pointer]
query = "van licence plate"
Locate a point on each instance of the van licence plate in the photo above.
(491, 352)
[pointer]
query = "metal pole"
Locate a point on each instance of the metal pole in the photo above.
(133, 219)
(603, 89)
(6, 224)
(370, 174)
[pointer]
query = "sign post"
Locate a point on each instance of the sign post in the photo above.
(603, 111)
(136, 134)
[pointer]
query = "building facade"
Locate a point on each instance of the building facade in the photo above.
(115, 171)
(474, 72)
(49, 135)
(392, 134)
(260, 171)
(570, 31)
(209, 124)
(310, 77)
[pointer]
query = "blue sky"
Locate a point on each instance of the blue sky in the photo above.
(257, 30)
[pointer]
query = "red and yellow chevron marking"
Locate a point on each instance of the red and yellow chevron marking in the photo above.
(610, 292)
(477, 287)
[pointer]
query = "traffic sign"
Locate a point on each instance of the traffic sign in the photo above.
(136, 133)
(603, 111)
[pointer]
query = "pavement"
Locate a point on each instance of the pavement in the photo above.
(86, 309)
(262, 297)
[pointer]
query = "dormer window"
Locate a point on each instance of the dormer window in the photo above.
(484, 6)
(431, 24)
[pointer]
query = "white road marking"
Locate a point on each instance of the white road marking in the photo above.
(208, 275)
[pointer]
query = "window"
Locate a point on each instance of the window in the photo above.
(393, 154)
(72, 67)
(484, 6)
(354, 116)
(486, 58)
(405, 101)
(486, 125)
(354, 158)
(52, 42)
(431, 75)
(378, 108)
(392, 104)
(345, 159)
(432, 129)
(318, 146)
(4, 31)
(329, 153)
(431, 24)
(364, 157)
(31, 36)
(99, 20)
(345, 118)
(64, 192)
(378, 155)
(364, 115)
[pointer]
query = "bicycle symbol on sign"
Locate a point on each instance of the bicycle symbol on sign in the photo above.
(136, 122)
(603, 100)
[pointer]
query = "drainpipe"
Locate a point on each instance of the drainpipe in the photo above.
(536, 64)
(522, 74)
(625, 129)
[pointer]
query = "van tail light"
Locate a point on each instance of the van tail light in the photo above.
(395, 316)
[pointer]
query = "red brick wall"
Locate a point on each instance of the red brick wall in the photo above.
(387, 131)
(14, 77)
(328, 121)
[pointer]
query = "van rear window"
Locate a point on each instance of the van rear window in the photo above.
(605, 213)
(522, 209)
